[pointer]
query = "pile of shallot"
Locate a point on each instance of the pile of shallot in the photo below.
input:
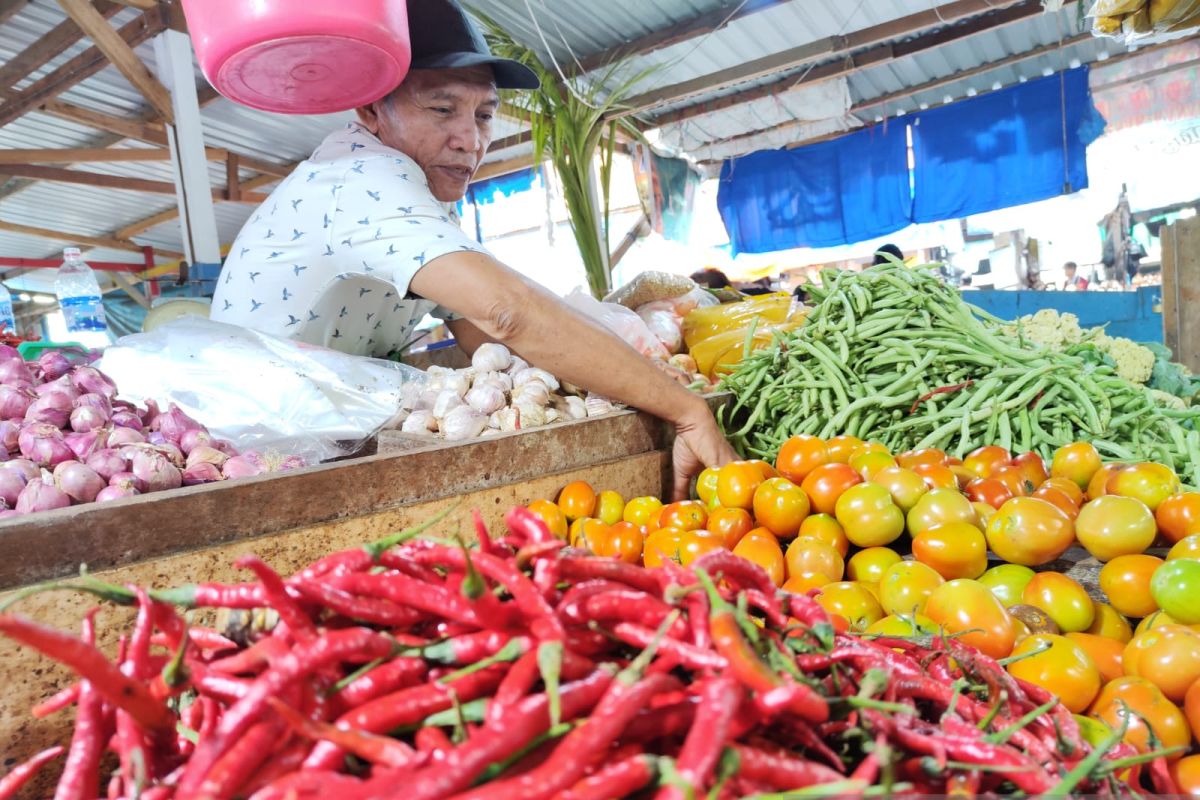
(498, 392)
(66, 439)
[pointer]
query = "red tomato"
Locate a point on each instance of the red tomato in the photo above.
(1151, 483)
(1014, 478)
(990, 491)
(1179, 516)
(966, 605)
(1032, 467)
(982, 463)
(1069, 488)
(731, 524)
(912, 458)
(800, 455)
(686, 515)
(825, 484)
(761, 547)
(1146, 709)
(1057, 498)
(937, 476)
(1077, 462)
(1030, 532)
(1098, 485)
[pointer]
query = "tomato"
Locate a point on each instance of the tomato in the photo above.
(1125, 581)
(1172, 663)
(731, 524)
(639, 510)
(904, 626)
(706, 487)
(868, 515)
(840, 448)
(1142, 641)
(736, 483)
(988, 490)
(870, 564)
(825, 484)
(906, 586)
(761, 547)
(552, 515)
(1029, 531)
(662, 545)
(929, 455)
(1187, 547)
(937, 476)
(1191, 708)
(986, 460)
(1186, 774)
(686, 515)
(851, 601)
(827, 529)
(869, 463)
(1067, 487)
(1149, 482)
(1176, 589)
(940, 507)
(1062, 668)
(694, 544)
(1007, 582)
(871, 447)
(1114, 526)
(768, 471)
(1063, 600)
(1179, 516)
(1106, 654)
(1076, 462)
(953, 550)
(905, 486)
(983, 514)
(1097, 486)
(1014, 480)
(1109, 623)
(961, 474)
(584, 529)
(1032, 467)
(805, 582)
(780, 506)
(800, 455)
(813, 555)
(625, 542)
(577, 499)
(610, 507)
(1159, 619)
(873, 588)
(966, 605)
(1058, 499)
(1146, 708)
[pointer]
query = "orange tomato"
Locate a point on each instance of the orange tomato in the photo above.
(842, 447)
(1191, 709)
(610, 507)
(805, 582)
(767, 470)
(940, 507)
(736, 483)
(1057, 498)
(1125, 581)
(731, 524)
(1067, 487)
(961, 474)
(625, 542)
(870, 564)
(1172, 661)
(983, 514)
(953, 550)
(1179, 516)
(812, 555)
(686, 515)
(1149, 482)
(937, 476)
(825, 484)
(851, 601)
(827, 529)
(988, 490)
(1146, 709)
(584, 529)
(1014, 480)
(1109, 623)
(1007, 582)
(1063, 600)
(780, 506)
(1187, 547)
(662, 545)
(868, 515)
(964, 605)
(1059, 666)
(912, 458)
(800, 455)
(552, 515)
(1105, 652)
(1029, 531)
(1114, 526)
(906, 587)
(761, 547)
(642, 510)
(1097, 486)
(905, 486)
(868, 463)
(1076, 462)
(983, 462)
(1186, 774)
(1032, 467)
(1131, 658)
(577, 499)
(696, 543)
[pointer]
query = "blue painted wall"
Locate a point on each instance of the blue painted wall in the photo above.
(1128, 314)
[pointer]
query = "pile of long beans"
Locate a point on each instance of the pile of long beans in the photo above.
(893, 355)
(523, 669)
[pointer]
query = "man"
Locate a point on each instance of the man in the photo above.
(360, 242)
(887, 254)
(1072, 281)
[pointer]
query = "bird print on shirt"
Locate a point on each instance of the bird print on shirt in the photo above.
(391, 250)
(328, 250)
(365, 221)
(275, 254)
(378, 234)
(367, 267)
(358, 167)
(327, 222)
(337, 334)
(286, 294)
(373, 195)
(255, 305)
(313, 317)
(297, 269)
(356, 146)
(363, 291)
(253, 276)
(270, 234)
(228, 277)
(342, 313)
(396, 307)
(296, 203)
(404, 209)
(420, 259)
(296, 234)
(293, 320)
(228, 305)
(244, 251)
(311, 176)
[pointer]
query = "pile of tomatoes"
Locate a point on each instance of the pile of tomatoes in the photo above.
(909, 544)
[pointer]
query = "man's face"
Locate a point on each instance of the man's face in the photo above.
(1070, 272)
(441, 119)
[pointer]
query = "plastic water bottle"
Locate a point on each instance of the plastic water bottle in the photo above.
(8, 322)
(79, 294)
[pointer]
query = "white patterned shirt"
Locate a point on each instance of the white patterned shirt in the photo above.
(328, 257)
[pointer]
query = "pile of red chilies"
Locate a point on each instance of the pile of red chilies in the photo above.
(523, 669)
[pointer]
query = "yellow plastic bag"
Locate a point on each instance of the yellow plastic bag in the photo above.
(1115, 8)
(702, 323)
(718, 354)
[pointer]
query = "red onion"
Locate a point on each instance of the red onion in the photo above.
(11, 484)
(14, 402)
(156, 438)
(14, 372)
(86, 443)
(40, 494)
(156, 471)
(241, 467)
(115, 493)
(78, 481)
(62, 385)
(201, 472)
(90, 379)
(54, 364)
(202, 454)
(119, 436)
(225, 446)
(96, 401)
(44, 444)
(8, 512)
(127, 480)
(151, 411)
(106, 463)
(173, 453)
(53, 408)
(174, 423)
(8, 353)
(87, 418)
(127, 419)
(193, 438)
(23, 467)
(9, 433)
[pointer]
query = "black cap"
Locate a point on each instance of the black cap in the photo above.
(442, 37)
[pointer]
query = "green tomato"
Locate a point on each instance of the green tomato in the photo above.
(1176, 587)
(1007, 582)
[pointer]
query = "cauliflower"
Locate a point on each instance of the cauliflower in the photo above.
(1134, 362)
(1167, 400)
(1047, 328)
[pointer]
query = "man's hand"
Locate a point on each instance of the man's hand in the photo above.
(699, 443)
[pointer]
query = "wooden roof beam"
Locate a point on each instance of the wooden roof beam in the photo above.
(245, 188)
(111, 242)
(48, 46)
(10, 8)
(84, 178)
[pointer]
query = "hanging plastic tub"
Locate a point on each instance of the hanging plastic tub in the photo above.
(301, 57)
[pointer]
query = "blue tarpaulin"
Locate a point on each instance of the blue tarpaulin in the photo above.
(1004, 149)
(484, 191)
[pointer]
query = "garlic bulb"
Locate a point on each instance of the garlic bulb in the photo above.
(457, 383)
(552, 415)
(491, 357)
(463, 422)
(534, 374)
(410, 395)
(571, 407)
(597, 406)
(533, 393)
(500, 380)
(485, 398)
(420, 422)
(530, 416)
(506, 419)
(518, 364)
(426, 399)
(447, 401)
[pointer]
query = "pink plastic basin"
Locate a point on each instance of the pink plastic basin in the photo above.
(301, 56)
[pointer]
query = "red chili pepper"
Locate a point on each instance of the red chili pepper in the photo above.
(219, 686)
(516, 684)
(525, 524)
(90, 664)
(253, 659)
(371, 610)
(1027, 775)
(242, 596)
(719, 701)
(780, 770)
(431, 740)
(239, 763)
(628, 606)
(379, 750)
(21, 774)
(807, 610)
(282, 762)
(399, 673)
(431, 599)
(621, 779)
(721, 564)
(469, 648)
(581, 591)
(62, 699)
(80, 778)
(582, 568)
(688, 655)
(290, 613)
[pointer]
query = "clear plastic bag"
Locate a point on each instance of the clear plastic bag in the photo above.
(621, 321)
(262, 392)
(650, 286)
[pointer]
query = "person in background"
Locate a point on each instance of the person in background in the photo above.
(966, 283)
(1073, 282)
(758, 287)
(889, 249)
(711, 278)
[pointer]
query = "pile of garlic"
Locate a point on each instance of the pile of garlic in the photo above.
(498, 392)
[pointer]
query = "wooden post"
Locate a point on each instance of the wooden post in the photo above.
(1181, 290)
(233, 188)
